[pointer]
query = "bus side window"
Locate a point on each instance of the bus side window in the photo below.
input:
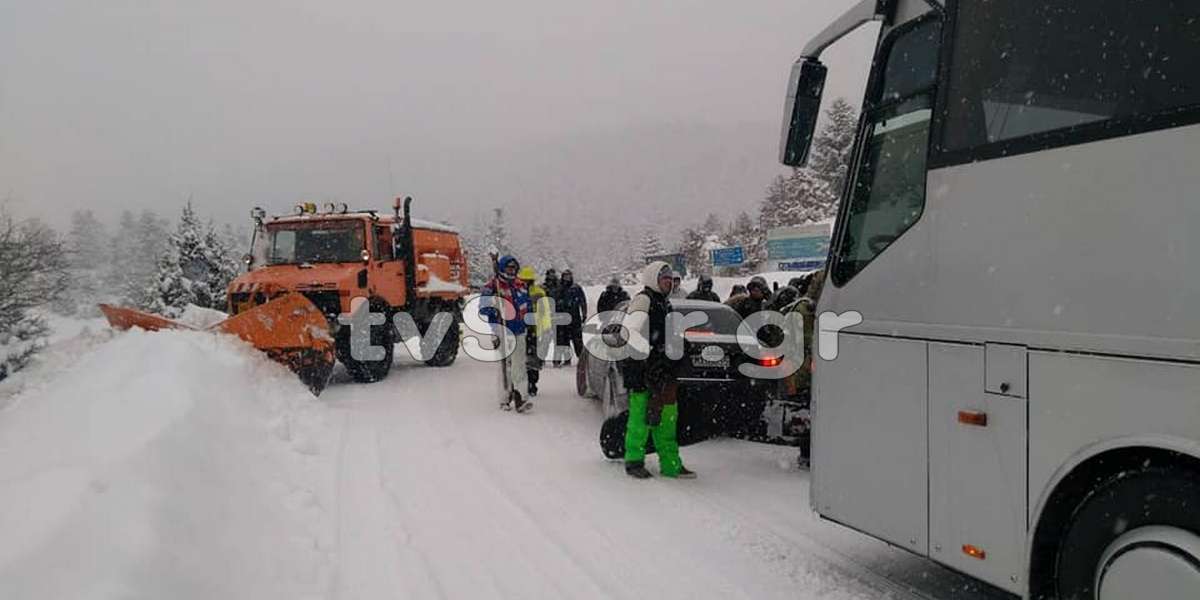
(1029, 76)
(888, 191)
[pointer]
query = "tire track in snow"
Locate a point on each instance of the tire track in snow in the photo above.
(370, 557)
(519, 505)
(510, 495)
(618, 485)
(504, 496)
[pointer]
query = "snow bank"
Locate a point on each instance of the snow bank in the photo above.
(156, 465)
(437, 284)
(200, 317)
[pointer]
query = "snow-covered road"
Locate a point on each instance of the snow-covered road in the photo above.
(442, 495)
(183, 465)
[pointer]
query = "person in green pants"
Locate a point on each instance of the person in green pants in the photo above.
(651, 382)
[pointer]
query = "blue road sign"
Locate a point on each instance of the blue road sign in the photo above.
(728, 257)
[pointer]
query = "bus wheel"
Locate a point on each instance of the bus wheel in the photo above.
(1136, 536)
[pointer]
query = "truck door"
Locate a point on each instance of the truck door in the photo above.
(978, 427)
(387, 273)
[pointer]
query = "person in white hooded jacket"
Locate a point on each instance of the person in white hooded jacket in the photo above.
(651, 382)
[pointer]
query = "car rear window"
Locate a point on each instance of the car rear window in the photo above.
(721, 321)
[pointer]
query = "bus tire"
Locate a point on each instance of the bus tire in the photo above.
(1131, 520)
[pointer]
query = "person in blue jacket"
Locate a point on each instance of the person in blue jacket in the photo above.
(505, 303)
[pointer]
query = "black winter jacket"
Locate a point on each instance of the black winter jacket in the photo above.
(610, 299)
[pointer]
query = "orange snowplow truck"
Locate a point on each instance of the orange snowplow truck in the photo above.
(307, 269)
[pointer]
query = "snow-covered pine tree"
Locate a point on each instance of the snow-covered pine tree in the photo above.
(170, 292)
(479, 264)
(797, 199)
(626, 260)
(816, 200)
(774, 204)
(187, 269)
(191, 244)
(811, 194)
(34, 272)
(141, 265)
(540, 250)
(692, 248)
(830, 157)
(86, 247)
(497, 233)
(223, 265)
(712, 225)
(121, 248)
(744, 232)
(651, 245)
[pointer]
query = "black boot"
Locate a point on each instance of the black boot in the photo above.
(519, 404)
(637, 470)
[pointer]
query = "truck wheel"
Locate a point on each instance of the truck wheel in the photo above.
(1137, 535)
(366, 371)
(447, 351)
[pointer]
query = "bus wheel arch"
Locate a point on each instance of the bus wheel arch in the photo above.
(1101, 480)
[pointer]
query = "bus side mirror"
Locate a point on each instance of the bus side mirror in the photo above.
(801, 111)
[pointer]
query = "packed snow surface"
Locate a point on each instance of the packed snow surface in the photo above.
(185, 465)
(164, 465)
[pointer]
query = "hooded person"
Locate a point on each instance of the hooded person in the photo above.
(783, 301)
(735, 291)
(704, 290)
(505, 302)
(651, 381)
(799, 384)
(612, 296)
(550, 283)
(783, 298)
(572, 301)
(677, 285)
(816, 282)
(536, 335)
(801, 283)
(753, 300)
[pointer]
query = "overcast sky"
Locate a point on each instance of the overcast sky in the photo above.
(135, 104)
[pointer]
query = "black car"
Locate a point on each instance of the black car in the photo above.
(714, 396)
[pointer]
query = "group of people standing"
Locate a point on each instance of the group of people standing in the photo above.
(651, 383)
(615, 294)
(520, 295)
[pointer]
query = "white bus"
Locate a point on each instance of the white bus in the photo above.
(1021, 234)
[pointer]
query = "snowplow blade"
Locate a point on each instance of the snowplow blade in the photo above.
(126, 318)
(290, 330)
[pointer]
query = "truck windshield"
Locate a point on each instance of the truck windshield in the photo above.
(325, 242)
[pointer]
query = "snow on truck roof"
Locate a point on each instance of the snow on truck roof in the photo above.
(357, 215)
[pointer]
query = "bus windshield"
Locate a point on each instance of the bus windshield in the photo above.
(323, 242)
